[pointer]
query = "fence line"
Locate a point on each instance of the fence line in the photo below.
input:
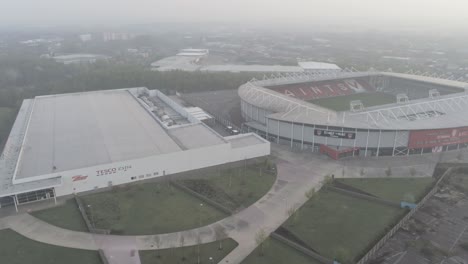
(364, 196)
(370, 254)
(302, 249)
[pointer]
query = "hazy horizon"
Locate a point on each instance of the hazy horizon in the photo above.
(423, 14)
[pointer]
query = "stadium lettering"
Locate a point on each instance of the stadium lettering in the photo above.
(316, 90)
(329, 88)
(343, 87)
(353, 84)
(289, 93)
(302, 91)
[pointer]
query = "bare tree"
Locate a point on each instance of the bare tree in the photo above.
(292, 213)
(260, 238)
(181, 240)
(157, 241)
(362, 172)
(310, 193)
(328, 179)
(199, 241)
(220, 234)
(388, 172)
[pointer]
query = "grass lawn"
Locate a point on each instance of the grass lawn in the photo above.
(188, 254)
(148, 208)
(341, 103)
(276, 252)
(394, 189)
(16, 249)
(233, 188)
(66, 216)
(341, 226)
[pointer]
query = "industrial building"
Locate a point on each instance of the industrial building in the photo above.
(193, 60)
(71, 143)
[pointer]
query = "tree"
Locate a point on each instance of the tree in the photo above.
(181, 240)
(220, 234)
(388, 172)
(292, 213)
(328, 179)
(157, 241)
(260, 238)
(310, 193)
(199, 241)
(362, 172)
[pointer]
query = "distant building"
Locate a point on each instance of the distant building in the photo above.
(79, 58)
(192, 60)
(318, 66)
(86, 37)
(193, 52)
(109, 36)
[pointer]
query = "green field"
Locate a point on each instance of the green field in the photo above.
(235, 188)
(394, 189)
(66, 216)
(341, 226)
(276, 252)
(341, 103)
(16, 249)
(148, 208)
(188, 254)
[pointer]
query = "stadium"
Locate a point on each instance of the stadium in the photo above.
(71, 143)
(358, 113)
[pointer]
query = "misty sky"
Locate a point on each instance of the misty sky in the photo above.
(294, 12)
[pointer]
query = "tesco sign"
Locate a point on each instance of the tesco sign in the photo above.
(113, 170)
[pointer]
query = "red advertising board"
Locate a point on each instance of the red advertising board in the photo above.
(438, 137)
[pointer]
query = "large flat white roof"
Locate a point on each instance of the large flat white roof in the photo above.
(79, 130)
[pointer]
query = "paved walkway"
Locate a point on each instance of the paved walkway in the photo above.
(297, 173)
(295, 177)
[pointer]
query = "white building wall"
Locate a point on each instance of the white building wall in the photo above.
(122, 172)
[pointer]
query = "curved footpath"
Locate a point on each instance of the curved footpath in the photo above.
(297, 173)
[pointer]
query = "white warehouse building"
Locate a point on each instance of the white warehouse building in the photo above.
(71, 143)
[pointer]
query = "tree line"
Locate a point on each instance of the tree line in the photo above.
(23, 77)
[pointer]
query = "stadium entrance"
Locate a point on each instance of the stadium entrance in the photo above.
(337, 153)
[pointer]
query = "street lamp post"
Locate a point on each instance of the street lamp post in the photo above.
(199, 239)
(92, 215)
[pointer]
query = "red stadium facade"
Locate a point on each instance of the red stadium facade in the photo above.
(438, 137)
(316, 90)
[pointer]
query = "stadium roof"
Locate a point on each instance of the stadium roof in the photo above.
(250, 68)
(426, 113)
